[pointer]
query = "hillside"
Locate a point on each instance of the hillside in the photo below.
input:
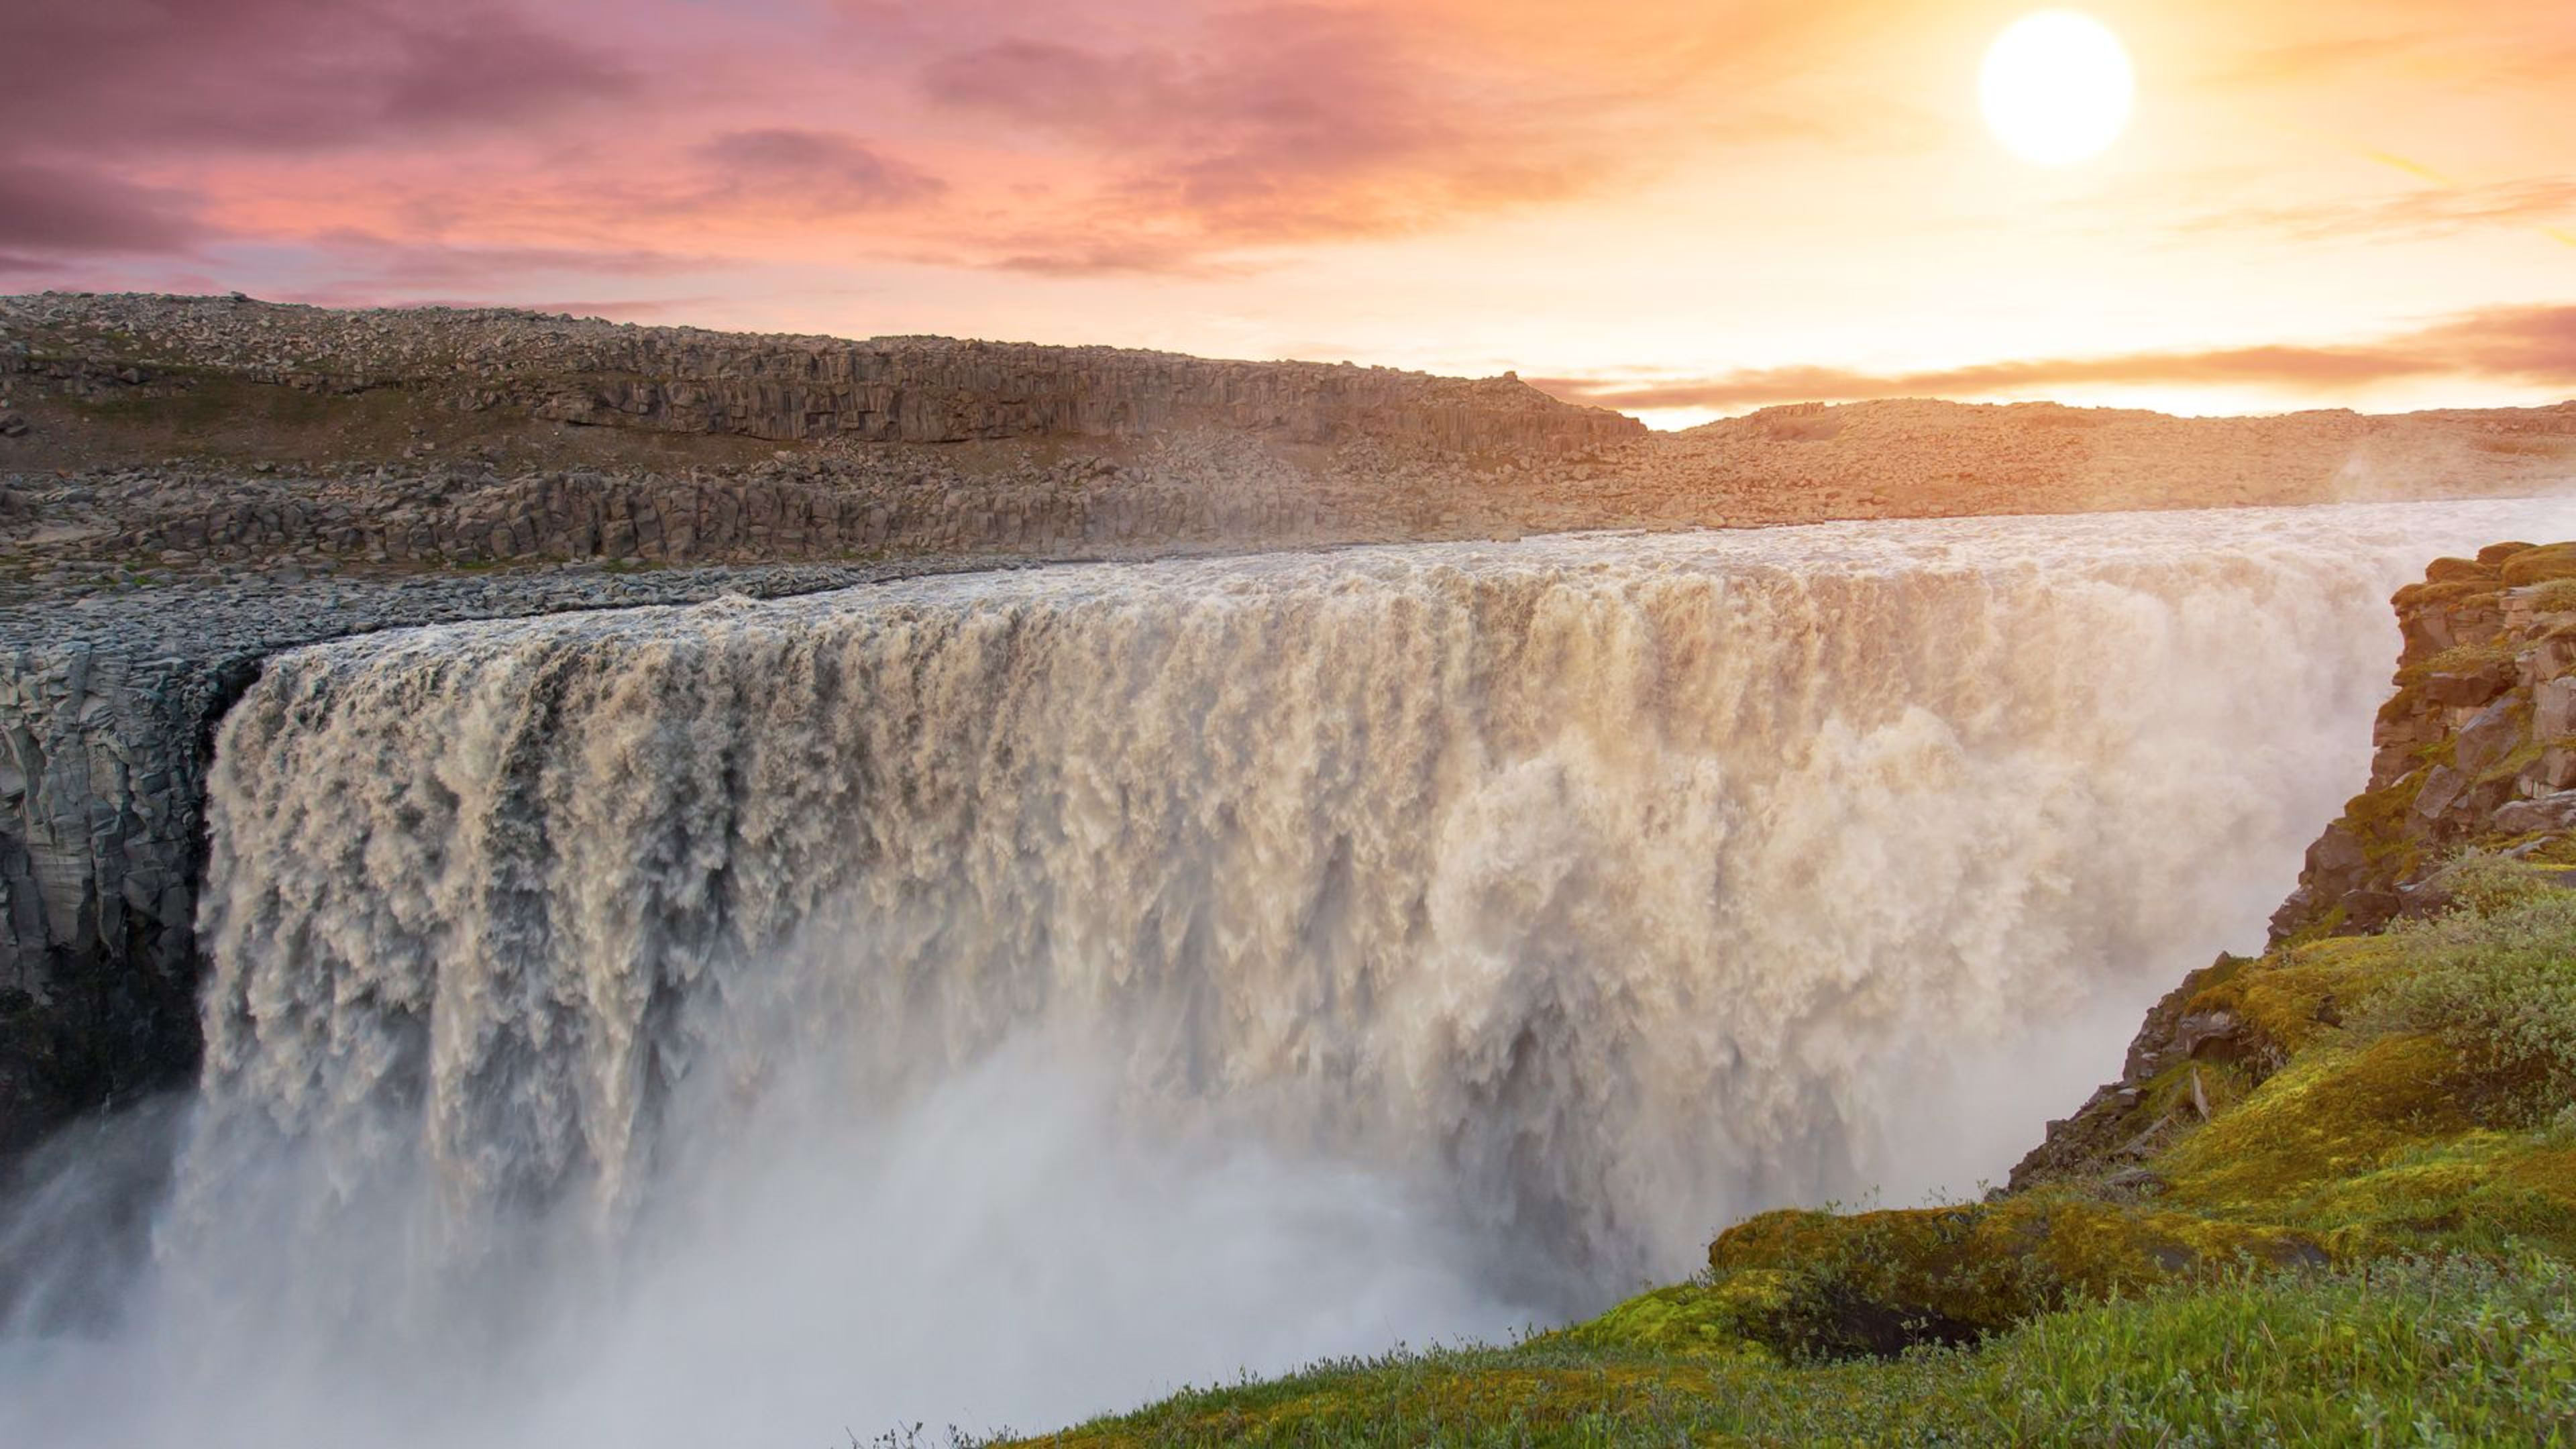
(2332, 1198)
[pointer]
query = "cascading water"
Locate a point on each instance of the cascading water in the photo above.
(1001, 998)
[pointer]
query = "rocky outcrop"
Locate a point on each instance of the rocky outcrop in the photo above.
(2477, 746)
(2475, 750)
(824, 507)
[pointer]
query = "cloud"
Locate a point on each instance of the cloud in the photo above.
(2534, 346)
(2316, 58)
(356, 269)
(53, 208)
(1282, 123)
(818, 172)
(2520, 344)
(282, 75)
(2430, 212)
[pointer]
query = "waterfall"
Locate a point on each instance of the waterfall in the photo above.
(1244, 959)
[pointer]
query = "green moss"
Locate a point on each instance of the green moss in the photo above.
(1726, 1316)
(2291, 998)
(2378, 820)
(1884, 1281)
(2459, 659)
(2448, 591)
(2335, 1111)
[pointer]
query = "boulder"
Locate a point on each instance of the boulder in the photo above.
(2556, 812)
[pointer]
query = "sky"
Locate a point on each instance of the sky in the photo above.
(1680, 208)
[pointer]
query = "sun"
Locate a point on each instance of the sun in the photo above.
(2057, 87)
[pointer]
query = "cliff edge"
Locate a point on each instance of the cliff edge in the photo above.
(2331, 1199)
(2474, 756)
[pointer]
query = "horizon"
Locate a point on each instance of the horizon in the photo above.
(1677, 213)
(1665, 424)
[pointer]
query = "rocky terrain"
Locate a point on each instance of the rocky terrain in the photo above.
(157, 438)
(190, 483)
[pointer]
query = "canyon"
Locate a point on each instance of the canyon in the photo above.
(189, 485)
(1448, 936)
(548, 795)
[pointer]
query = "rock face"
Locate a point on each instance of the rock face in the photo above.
(2477, 745)
(107, 716)
(2476, 748)
(101, 770)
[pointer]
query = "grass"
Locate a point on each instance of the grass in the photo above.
(2407, 1352)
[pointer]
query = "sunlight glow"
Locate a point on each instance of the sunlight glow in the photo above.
(2057, 87)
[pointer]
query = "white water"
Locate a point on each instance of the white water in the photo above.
(999, 999)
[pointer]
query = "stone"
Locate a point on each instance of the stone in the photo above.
(2554, 812)
(2470, 687)
(2443, 787)
(2553, 708)
(2487, 738)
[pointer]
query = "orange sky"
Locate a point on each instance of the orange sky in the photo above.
(1677, 208)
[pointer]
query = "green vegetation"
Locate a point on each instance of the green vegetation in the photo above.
(2354, 1225)
(2408, 1352)
(2496, 983)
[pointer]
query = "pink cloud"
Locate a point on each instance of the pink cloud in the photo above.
(62, 208)
(286, 75)
(1290, 121)
(814, 171)
(2530, 345)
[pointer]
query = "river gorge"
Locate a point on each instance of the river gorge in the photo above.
(997, 998)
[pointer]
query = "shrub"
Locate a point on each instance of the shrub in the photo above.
(2496, 980)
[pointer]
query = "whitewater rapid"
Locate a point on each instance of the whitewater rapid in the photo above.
(999, 998)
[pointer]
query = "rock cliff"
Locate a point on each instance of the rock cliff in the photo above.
(2475, 751)
(777, 388)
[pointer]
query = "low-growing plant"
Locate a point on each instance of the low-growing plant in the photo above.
(2496, 980)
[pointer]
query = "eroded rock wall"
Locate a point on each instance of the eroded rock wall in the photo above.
(102, 761)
